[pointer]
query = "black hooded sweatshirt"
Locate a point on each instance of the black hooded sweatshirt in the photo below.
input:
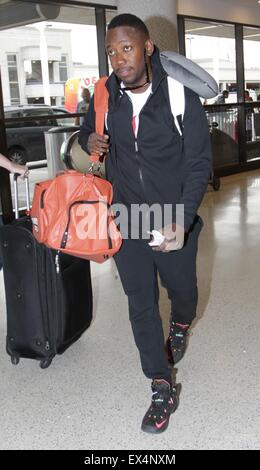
(159, 166)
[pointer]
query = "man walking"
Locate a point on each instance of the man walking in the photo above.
(149, 162)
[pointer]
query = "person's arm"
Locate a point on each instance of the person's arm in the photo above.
(90, 141)
(198, 156)
(198, 163)
(5, 162)
(13, 167)
(77, 120)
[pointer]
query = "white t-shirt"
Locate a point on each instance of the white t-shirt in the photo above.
(138, 102)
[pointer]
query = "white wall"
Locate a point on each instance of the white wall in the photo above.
(240, 11)
(13, 41)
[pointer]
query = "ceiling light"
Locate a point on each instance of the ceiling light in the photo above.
(204, 27)
(252, 35)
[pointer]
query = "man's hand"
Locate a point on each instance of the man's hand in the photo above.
(174, 238)
(98, 144)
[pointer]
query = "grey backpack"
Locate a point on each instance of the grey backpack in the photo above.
(184, 72)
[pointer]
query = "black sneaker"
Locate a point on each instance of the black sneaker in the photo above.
(176, 343)
(164, 402)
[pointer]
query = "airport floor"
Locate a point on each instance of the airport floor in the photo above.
(94, 396)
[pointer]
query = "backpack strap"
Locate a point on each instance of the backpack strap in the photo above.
(101, 108)
(177, 102)
(176, 98)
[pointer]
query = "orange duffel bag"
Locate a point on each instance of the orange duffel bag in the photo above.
(72, 213)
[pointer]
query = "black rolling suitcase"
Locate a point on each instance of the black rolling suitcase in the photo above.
(48, 295)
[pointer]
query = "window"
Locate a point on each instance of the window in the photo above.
(212, 46)
(34, 72)
(252, 65)
(63, 69)
(11, 114)
(13, 79)
(110, 14)
(252, 90)
(38, 122)
(51, 71)
(38, 100)
(47, 53)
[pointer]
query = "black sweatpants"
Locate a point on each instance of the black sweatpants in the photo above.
(138, 266)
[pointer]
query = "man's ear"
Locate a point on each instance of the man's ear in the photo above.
(149, 47)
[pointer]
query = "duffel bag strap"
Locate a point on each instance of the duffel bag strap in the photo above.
(101, 108)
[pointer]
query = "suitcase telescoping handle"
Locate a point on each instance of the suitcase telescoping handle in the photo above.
(16, 206)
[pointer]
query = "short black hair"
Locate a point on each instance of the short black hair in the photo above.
(126, 19)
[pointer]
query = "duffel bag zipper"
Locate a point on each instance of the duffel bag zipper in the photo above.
(42, 199)
(65, 235)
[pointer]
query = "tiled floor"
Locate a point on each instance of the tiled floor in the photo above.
(94, 396)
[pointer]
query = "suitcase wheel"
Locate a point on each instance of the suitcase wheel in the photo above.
(15, 360)
(45, 363)
(216, 183)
